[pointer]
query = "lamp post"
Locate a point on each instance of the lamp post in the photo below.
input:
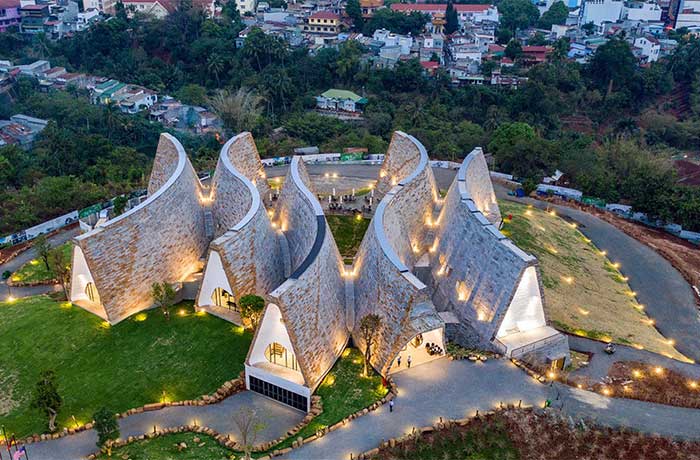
(5, 277)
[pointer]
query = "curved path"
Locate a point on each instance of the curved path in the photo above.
(278, 419)
(16, 263)
(667, 297)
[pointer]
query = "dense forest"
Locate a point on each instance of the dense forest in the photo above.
(609, 124)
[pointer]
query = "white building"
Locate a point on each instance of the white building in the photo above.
(649, 46)
(103, 6)
(688, 14)
(642, 11)
(600, 11)
(246, 6)
(404, 42)
(86, 18)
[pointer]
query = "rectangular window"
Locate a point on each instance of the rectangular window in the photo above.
(277, 393)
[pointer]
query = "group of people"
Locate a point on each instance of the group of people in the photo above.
(433, 349)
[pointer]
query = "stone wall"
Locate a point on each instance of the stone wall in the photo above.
(312, 301)
(230, 195)
(401, 159)
(477, 181)
(385, 284)
(296, 216)
(162, 239)
(475, 269)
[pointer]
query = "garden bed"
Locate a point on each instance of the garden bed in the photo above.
(348, 232)
(529, 435)
(34, 272)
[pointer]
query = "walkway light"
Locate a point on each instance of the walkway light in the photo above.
(658, 370)
(616, 264)
(603, 253)
(693, 384)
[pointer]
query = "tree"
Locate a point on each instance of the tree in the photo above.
(252, 308)
(556, 14)
(230, 11)
(239, 111)
(163, 296)
(43, 249)
(513, 50)
(370, 326)
(354, 12)
(613, 65)
(517, 14)
(107, 428)
(60, 267)
(119, 204)
(249, 425)
(451, 19)
(193, 94)
(46, 397)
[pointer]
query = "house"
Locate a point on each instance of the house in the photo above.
(323, 22)
(33, 18)
(10, 15)
(103, 93)
(688, 15)
(86, 18)
(650, 48)
(335, 100)
(54, 72)
(368, 7)
(101, 6)
(600, 11)
(134, 99)
(466, 13)
(430, 67)
(246, 7)
(36, 69)
(403, 42)
(642, 11)
(21, 130)
(161, 8)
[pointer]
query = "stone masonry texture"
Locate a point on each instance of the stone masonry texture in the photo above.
(161, 241)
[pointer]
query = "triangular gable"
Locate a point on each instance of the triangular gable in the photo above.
(270, 330)
(214, 277)
(80, 278)
(525, 311)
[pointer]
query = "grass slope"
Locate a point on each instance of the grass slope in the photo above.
(138, 361)
(166, 448)
(348, 232)
(36, 271)
(585, 293)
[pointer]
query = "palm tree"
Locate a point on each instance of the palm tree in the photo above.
(215, 66)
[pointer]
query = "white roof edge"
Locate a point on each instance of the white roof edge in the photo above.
(255, 195)
(294, 168)
(181, 161)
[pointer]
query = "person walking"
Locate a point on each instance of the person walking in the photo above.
(391, 406)
(398, 361)
(409, 361)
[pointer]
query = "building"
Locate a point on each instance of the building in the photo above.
(600, 11)
(688, 15)
(368, 7)
(9, 14)
(340, 100)
(21, 130)
(473, 14)
(434, 269)
(161, 8)
(86, 18)
(649, 47)
(642, 11)
(102, 6)
(404, 42)
(247, 6)
(323, 22)
(33, 18)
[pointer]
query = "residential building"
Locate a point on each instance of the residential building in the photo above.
(368, 7)
(20, 130)
(688, 15)
(340, 100)
(86, 18)
(642, 11)
(323, 22)
(9, 14)
(600, 11)
(403, 42)
(155, 8)
(33, 18)
(650, 48)
(466, 13)
(102, 6)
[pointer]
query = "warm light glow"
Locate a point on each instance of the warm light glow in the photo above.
(586, 240)
(583, 311)
(693, 384)
(649, 322)
(573, 225)
(616, 264)
(552, 213)
(394, 180)
(625, 278)
(658, 370)
(631, 293)
(271, 213)
(104, 325)
(358, 217)
(34, 262)
(462, 293)
(181, 312)
(481, 316)
(637, 374)
(382, 173)
(627, 388)
(528, 212)
(326, 175)
(140, 317)
(66, 304)
(346, 353)
(603, 253)
(201, 313)
(568, 279)
(10, 299)
(335, 175)
(607, 391)
(551, 375)
(552, 249)
(670, 342)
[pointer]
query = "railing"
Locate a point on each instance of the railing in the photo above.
(534, 345)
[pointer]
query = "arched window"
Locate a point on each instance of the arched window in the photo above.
(278, 354)
(222, 298)
(91, 292)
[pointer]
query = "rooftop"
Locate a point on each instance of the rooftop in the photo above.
(343, 94)
(324, 15)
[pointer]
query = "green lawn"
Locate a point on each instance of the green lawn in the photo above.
(166, 448)
(138, 361)
(348, 232)
(343, 392)
(35, 270)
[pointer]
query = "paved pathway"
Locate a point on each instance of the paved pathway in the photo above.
(30, 254)
(600, 362)
(666, 295)
(278, 418)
